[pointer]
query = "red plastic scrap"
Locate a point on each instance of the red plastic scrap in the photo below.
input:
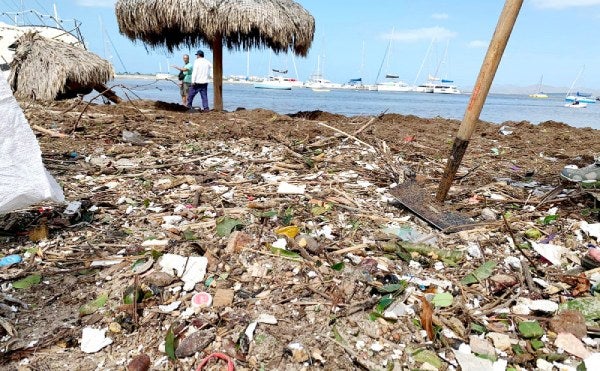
(224, 357)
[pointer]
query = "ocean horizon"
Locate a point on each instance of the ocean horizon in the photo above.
(498, 109)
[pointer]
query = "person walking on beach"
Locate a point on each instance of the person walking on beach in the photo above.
(184, 84)
(201, 72)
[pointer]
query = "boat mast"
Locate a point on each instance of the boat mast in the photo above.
(575, 81)
(423, 62)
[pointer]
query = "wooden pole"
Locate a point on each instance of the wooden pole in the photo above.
(506, 22)
(217, 48)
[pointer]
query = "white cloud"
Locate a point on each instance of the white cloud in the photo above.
(418, 34)
(96, 3)
(440, 16)
(563, 4)
(478, 44)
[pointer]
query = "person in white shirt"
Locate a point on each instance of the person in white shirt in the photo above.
(200, 74)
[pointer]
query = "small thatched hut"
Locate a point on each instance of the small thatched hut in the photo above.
(281, 25)
(47, 69)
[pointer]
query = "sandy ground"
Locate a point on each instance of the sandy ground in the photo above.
(206, 169)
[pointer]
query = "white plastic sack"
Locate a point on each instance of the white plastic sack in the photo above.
(23, 179)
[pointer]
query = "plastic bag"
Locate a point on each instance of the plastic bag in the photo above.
(23, 179)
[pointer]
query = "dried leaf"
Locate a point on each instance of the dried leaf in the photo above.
(581, 284)
(289, 231)
(427, 317)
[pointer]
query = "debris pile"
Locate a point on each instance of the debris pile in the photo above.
(261, 241)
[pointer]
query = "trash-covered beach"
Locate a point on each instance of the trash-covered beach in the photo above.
(276, 243)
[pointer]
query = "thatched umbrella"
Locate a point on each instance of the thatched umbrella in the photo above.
(281, 25)
(49, 69)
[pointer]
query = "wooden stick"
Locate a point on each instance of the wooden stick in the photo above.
(506, 22)
(346, 135)
(53, 134)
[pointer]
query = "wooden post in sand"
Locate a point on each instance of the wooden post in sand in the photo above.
(488, 70)
(217, 49)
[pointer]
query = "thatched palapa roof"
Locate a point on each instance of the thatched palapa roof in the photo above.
(280, 25)
(49, 69)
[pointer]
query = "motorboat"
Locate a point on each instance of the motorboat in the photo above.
(576, 104)
(446, 87)
(274, 83)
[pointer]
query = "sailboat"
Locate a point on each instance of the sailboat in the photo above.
(539, 93)
(434, 83)
(317, 82)
(164, 75)
(391, 81)
(579, 96)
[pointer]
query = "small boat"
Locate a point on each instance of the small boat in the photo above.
(576, 104)
(393, 84)
(540, 94)
(320, 90)
(274, 83)
(578, 96)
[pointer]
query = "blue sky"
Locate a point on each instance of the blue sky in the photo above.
(553, 38)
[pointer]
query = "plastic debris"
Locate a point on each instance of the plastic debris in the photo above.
(191, 269)
(93, 340)
(10, 260)
(201, 300)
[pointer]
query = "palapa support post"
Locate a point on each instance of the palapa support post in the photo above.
(488, 70)
(217, 48)
(108, 93)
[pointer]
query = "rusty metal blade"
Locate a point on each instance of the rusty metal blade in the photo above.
(413, 197)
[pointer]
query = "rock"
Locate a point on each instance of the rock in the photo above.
(194, 342)
(139, 363)
(159, 279)
(571, 345)
(481, 346)
(569, 321)
(501, 341)
(488, 214)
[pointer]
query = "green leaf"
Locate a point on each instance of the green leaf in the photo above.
(549, 219)
(170, 344)
(337, 335)
(531, 329)
(93, 305)
(156, 254)
(478, 328)
(533, 233)
(27, 282)
(484, 271)
(427, 356)
(189, 235)
(286, 253)
(537, 344)
(443, 299)
(517, 349)
(338, 266)
(384, 302)
(226, 225)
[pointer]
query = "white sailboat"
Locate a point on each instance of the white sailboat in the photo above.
(391, 82)
(540, 94)
(579, 96)
(438, 85)
(317, 82)
(164, 75)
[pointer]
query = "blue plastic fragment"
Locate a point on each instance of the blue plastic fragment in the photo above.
(10, 260)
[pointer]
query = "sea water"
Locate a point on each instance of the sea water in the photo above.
(498, 108)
